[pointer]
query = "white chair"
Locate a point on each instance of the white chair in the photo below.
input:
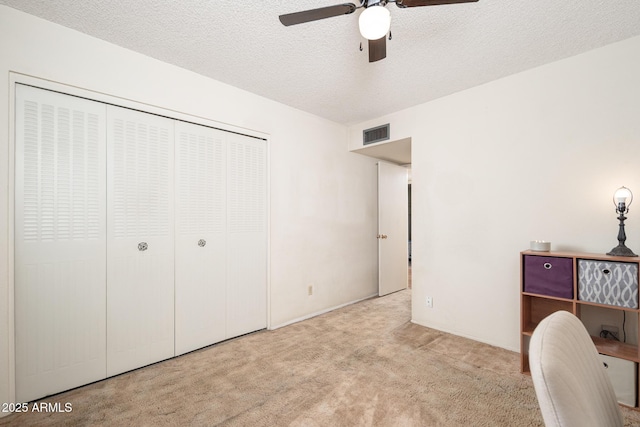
(570, 380)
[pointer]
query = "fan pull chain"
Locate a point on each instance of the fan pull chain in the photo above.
(360, 46)
(390, 37)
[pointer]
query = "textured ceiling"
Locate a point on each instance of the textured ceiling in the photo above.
(317, 66)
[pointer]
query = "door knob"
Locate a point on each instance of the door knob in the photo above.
(143, 246)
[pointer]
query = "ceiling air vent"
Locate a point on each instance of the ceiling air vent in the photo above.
(376, 134)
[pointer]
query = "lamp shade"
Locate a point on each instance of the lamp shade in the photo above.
(374, 22)
(622, 196)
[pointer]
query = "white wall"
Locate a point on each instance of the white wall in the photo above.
(322, 200)
(536, 155)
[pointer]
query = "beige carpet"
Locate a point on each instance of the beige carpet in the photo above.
(363, 365)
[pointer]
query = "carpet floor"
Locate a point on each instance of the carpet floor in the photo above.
(362, 365)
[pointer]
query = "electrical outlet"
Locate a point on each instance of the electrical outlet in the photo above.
(613, 330)
(430, 302)
(310, 290)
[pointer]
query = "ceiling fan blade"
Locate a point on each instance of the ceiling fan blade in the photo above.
(378, 49)
(415, 3)
(316, 14)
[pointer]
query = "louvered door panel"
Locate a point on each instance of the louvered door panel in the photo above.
(60, 242)
(200, 236)
(247, 235)
(140, 238)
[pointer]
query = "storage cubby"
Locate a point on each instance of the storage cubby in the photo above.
(535, 309)
(626, 322)
(600, 290)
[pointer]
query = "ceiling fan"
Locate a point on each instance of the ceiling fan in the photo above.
(374, 21)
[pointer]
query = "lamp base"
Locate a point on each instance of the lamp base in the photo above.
(621, 250)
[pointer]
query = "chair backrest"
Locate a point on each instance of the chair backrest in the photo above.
(571, 383)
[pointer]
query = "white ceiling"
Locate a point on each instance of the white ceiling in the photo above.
(317, 66)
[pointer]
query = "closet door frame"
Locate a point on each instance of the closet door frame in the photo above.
(19, 78)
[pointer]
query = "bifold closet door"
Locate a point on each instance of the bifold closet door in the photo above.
(200, 236)
(221, 240)
(246, 235)
(60, 242)
(140, 273)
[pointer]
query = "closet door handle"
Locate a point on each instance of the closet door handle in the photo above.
(202, 243)
(143, 246)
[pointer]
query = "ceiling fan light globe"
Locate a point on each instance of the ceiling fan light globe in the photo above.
(374, 22)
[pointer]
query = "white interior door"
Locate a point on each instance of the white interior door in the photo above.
(393, 228)
(140, 239)
(60, 242)
(201, 240)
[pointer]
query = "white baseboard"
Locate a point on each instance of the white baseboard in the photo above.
(318, 313)
(474, 338)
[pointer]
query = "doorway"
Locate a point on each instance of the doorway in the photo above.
(399, 154)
